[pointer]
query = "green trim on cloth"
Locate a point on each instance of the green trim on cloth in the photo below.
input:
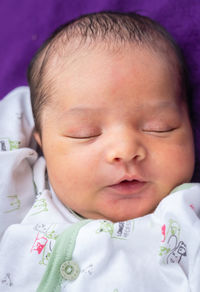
(182, 187)
(62, 252)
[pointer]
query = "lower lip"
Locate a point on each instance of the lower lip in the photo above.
(128, 187)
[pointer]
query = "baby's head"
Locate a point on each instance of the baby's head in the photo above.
(109, 98)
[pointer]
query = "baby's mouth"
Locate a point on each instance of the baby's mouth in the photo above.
(126, 187)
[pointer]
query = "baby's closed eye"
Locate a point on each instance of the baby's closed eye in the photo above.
(83, 133)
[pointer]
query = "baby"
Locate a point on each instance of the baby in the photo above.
(110, 104)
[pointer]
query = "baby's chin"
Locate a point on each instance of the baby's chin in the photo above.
(117, 217)
(124, 217)
(121, 210)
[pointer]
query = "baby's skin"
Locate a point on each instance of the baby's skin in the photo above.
(116, 134)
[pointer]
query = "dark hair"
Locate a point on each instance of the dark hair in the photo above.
(107, 27)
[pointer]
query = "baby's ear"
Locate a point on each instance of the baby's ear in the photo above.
(37, 138)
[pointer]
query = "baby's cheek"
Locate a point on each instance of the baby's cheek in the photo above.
(186, 151)
(181, 164)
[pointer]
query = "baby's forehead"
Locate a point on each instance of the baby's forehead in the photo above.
(75, 51)
(74, 58)
(92, 68)
(70, 69)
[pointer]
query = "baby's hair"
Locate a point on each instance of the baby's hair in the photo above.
(109, 28)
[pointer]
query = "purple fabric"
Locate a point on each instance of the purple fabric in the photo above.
(26, 24)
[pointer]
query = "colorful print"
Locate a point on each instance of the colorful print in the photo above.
(39, 243)
(8, 145)
(6, 281)
(177, 253)
(89, 270)
(163, 232)
(39, 206)
(172, 249)
(44, 241)
(192, 207)
(15, 203)
(120, 230)
(47, 230)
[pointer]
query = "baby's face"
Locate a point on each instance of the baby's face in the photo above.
(116, 137)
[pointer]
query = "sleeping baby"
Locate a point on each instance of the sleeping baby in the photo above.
(107, 205)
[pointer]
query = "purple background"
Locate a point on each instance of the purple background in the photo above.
(25, 24)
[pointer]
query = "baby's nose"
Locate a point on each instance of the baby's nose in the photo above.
(125, 148)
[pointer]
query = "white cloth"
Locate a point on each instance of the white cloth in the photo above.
(157, 252)
(17, 156)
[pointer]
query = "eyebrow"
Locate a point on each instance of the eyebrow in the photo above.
(163, 105)
(78, 110)
(81, 110)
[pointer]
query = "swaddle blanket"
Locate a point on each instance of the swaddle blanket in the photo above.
(46, 247)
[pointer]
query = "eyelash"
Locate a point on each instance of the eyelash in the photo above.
(160, 131)
(147, 131)
(87, 137)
